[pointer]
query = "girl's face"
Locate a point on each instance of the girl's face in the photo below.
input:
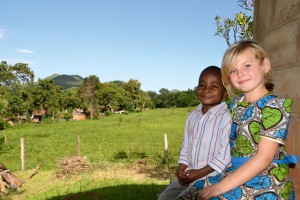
(248, 75)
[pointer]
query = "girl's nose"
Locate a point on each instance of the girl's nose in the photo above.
(240, 73)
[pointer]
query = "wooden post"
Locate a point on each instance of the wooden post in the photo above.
(22, 154)
(166, 149)
(78, 145)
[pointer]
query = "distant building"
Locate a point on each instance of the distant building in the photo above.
(37, 115)
(78, 114)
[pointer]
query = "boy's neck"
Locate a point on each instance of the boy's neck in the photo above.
(206, 108)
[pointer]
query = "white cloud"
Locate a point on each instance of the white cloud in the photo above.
(25, 51)
(1, 34)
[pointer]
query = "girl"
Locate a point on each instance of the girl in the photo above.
(260, 121)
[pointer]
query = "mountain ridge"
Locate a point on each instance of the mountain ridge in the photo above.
(66, 81)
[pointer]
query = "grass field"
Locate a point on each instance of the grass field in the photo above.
(112, 144)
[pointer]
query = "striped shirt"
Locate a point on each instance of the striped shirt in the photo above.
(206, 139)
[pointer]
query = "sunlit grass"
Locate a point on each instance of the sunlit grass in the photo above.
(108, 141)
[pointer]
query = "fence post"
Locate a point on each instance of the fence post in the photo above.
(166, 149)
(78, 145)
(22, 154)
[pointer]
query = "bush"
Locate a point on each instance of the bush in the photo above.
(108, 113)
(68, 116)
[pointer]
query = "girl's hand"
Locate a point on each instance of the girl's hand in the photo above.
(208, 192)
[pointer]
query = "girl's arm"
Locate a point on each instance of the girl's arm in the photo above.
(260, 161)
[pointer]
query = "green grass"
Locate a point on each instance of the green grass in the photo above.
(112, 140)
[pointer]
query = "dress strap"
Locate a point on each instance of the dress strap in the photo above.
(291, 159)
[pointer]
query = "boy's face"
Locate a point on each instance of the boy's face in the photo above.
(210, 90)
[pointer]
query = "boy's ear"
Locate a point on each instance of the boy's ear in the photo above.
(266, 65)
(225, 94)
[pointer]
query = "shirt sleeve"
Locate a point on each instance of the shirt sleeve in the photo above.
(223, 158)
(275, 117)
(183, 156)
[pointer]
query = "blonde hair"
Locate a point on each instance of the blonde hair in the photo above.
(230, 59)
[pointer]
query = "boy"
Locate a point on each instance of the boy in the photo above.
(205, 146)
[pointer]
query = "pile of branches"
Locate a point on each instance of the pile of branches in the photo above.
(73, 166)
(8, 180)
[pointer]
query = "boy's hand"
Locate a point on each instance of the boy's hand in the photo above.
(180, 175)
(189, 176)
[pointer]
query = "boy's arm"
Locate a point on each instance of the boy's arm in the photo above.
(183, 156)
(223, 158)
(195, 174)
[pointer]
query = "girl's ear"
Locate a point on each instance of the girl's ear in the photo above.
(266, 65)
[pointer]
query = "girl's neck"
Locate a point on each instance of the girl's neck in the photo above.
(252, 97)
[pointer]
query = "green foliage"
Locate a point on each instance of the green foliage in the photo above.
(89, 92)
(240, 27)
(24, 97)
(108, 113)
(19, 73)
(179, 99)
(45, 95)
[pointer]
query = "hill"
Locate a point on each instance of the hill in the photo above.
(66, 81)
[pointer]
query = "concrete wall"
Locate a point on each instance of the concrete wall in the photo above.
(277, 29)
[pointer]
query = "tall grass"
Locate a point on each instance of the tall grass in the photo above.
(109, 139)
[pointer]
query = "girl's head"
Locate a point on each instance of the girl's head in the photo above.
(231, 58)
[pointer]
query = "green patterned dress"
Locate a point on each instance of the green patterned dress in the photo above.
(266, 118)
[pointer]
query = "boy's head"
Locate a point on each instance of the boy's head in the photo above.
(210, 89)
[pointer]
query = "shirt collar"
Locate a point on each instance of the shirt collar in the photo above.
(214, 110)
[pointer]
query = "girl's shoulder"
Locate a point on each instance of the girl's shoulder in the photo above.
(274, 101)
(270, 100)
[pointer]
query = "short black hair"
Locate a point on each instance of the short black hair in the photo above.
(211, 68)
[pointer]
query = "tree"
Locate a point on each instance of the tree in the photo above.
(6, 75)
(23, 73)
(18, 73)
(3, 105)
(89, 92)
(137, 99)
(45, 95)
(18, 106)
(112, 97)
(237, 29)
(69, 99)
(163, 100)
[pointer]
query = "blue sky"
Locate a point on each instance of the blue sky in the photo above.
(161, 43)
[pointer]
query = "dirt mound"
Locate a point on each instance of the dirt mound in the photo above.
(72, 166)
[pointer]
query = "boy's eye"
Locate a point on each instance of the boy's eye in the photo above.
(200, 86)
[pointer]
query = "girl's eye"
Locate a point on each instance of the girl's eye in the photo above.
(247, 66)
(233, 71)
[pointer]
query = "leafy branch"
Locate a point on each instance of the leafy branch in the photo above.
(240, 27)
